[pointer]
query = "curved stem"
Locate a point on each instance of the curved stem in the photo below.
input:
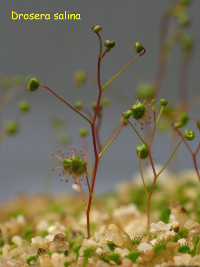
(177, 147)
(122, 70)
(110, 143)
(134, 129)
(195, 166)
(66, 103)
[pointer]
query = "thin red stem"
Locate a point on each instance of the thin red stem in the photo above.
(65, 102)
(195, 166)
(94, 141)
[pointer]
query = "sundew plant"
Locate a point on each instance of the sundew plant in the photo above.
(73, 165)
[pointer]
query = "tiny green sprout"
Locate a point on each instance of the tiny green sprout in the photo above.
(133, 256)
(182, 233)
(160, 246)
(143, 151)
(138, 47)
(145, 90)
(11, 127)
(79, 104)
(30, 259)
(24, 106)
(12, 247)
(138, 110)
(109, 44)
(87, 253)
(76, 251)
(96, 28)
(189, 135)
(33, 84)
(163, 102)
(115, 257)
(83, 132)
(80, 78)
(105, 101)
(127, 114)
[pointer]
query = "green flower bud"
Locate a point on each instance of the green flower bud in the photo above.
(138, 47)
(24, 106)
(33, 84)
(145, 90)
(153, 101)
(78, 104)
(83, 132)
(80, 78)
(96, 28)
(184, 119)
(5, 81)
(163, 102)
(109, 44)
(138, 110)
(143, 151)
(105, 101)
(18, 80)
(189, 135)
(127, 114)
(11, 127)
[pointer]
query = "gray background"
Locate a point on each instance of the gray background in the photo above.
(53, 51)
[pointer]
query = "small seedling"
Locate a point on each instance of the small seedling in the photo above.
(87, 253)
(133, 256)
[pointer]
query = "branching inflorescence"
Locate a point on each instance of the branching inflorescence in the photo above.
(139, 111)
(75, 165)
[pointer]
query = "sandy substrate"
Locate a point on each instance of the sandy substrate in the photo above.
(51, 231)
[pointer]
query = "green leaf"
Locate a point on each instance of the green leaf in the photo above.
(76, 251)
(133, 256)
(31, 258)
(114, 257)
(184, 249)
(182, 233)
(111, 245)
(159, 246)
(67, 263)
